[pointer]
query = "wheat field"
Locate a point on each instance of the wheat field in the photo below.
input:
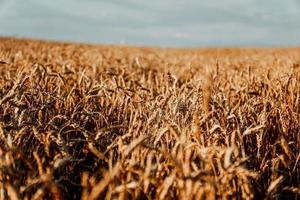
(82, 121)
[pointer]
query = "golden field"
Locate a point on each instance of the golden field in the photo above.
(113, 122)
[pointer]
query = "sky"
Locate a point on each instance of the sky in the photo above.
(165, 23)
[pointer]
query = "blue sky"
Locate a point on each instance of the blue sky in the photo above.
(172, 23)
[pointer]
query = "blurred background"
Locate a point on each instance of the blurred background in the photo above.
(165, 23)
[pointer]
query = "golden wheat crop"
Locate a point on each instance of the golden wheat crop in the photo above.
(111, 122)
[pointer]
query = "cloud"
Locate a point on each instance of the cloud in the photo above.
(156, 22)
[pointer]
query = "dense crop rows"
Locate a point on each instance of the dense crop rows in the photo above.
(95, 122)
